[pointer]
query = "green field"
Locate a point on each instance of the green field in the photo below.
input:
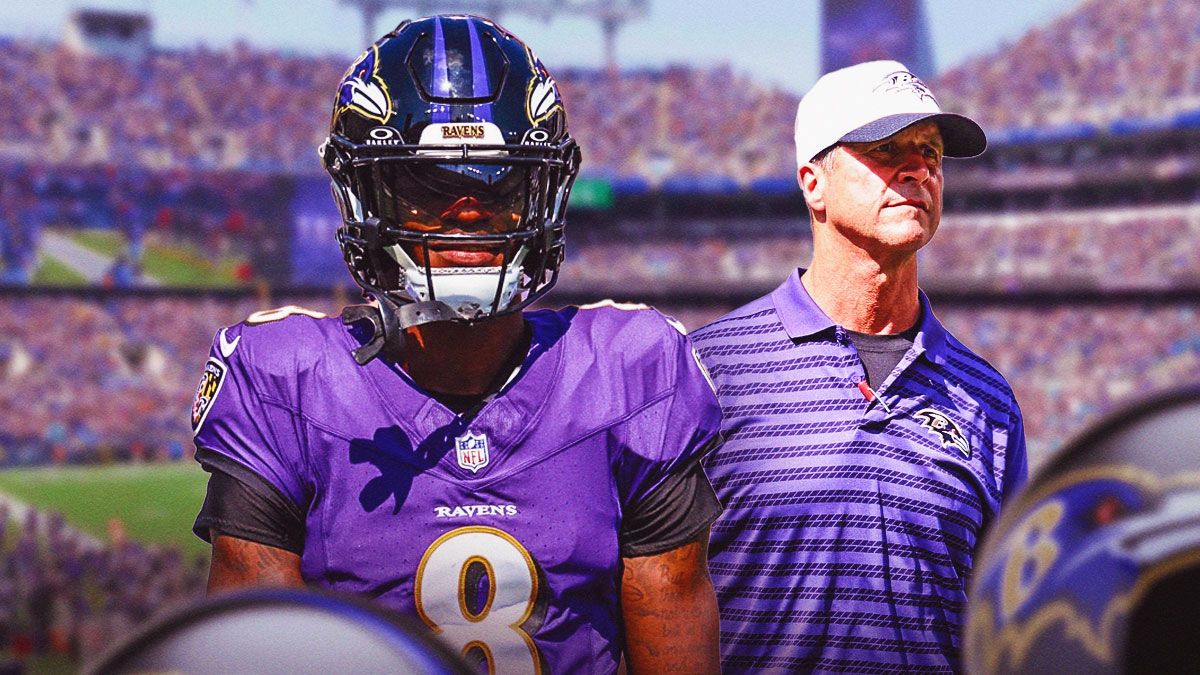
(177, 265)
(155, 502)
(54, 272)
(106, 242)
(182, 266)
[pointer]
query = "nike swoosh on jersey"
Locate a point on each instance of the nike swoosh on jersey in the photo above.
(226, 345)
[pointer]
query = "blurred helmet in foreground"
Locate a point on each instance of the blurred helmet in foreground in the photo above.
(449, 137)
(1095, 566)
(280, 632)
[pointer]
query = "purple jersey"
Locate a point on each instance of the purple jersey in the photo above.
(501, 532)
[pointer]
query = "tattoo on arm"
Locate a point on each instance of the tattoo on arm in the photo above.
(670, 610)
(237, 563)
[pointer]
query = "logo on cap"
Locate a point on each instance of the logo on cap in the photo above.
(904, 82)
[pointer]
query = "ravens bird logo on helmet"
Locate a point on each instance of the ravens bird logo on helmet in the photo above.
(1095, 568)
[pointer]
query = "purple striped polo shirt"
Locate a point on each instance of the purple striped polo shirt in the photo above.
(850, 524)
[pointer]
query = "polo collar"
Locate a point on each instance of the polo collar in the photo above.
(797, 311)
(931, 337)
(801, 317)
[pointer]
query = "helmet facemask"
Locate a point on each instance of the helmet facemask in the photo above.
(424, 219)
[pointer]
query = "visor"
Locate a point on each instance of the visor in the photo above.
(961, 136)
(436, 198)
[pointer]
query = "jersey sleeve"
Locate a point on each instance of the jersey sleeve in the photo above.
(665, 497)
(241, 412)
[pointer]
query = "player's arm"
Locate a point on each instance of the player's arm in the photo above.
(670, 610)
(238, 563)
(257, 533)
(667, 598)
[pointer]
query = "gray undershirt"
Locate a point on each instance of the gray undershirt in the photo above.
(881, 353)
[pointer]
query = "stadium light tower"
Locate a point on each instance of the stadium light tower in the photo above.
(611, 14)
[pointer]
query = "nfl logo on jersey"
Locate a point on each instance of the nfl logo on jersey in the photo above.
(472, 451)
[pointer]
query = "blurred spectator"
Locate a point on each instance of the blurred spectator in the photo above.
(681, 121)
(64, 592)
(260, 110)
(1103, 61)
(1142, 248)
(90, 380)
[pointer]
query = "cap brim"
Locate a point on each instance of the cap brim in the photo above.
(961, 136)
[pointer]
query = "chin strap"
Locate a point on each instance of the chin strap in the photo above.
(417, 313)
(389, 320)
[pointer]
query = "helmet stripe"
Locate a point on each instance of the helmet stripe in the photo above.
(441, 73)
(479, 84)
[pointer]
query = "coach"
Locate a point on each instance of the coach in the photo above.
(867, 449)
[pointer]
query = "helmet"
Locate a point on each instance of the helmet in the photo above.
(271, 630)
(1095, 566)
(451, 165)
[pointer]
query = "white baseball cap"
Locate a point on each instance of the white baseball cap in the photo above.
(871, 101)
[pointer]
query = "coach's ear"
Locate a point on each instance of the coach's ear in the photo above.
(812, 181)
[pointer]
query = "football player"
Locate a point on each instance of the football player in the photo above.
(525, 482)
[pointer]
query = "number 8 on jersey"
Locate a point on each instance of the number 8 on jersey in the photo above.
(477, 587)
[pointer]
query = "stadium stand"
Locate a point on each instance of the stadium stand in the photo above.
(257, 110)
(197, 108)
(105, 379)
(183, 147)
(1103, 63)
(1068, 257)
(1113, 249)
(65, 593)
(133, 360)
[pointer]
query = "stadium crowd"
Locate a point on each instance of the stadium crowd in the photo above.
(681, 121)
(265, 111)
(194, 108)
(1103, 61)
(63, 592)
(95, 380)
(1069, 364)
(1099, 249)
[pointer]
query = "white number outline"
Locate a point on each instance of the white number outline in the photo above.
(516, 626)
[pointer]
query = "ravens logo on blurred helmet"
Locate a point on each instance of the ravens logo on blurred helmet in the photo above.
(1095, 567)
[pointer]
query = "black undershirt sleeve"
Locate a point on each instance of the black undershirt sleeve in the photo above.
(241, 504)
(670, 516)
